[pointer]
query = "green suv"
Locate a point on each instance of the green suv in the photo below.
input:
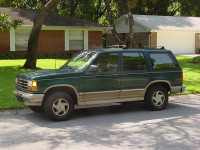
(105, 76)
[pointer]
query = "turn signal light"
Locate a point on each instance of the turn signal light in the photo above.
(32, 85)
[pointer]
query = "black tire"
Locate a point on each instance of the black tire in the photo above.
(156, 98)
(59, 106)
(36, 108)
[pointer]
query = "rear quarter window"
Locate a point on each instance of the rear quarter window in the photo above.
(162, 61)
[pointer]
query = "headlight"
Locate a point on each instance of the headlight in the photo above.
(32, 85)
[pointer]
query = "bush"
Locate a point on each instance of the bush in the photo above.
(14, 55)
(196, 60)
(11, 55)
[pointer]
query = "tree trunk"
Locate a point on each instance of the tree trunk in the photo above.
(111, 21)
(73, 8)
(130, 40)
(35, 32)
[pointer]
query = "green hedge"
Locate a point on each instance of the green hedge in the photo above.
(13, 55)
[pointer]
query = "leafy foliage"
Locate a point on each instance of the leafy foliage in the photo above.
(28, 4)
(6, 23)
(91, 10)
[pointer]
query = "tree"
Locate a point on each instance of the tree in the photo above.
(68, 7)
(130, 40)
(91, 10)
(35, 32)
(188, 8)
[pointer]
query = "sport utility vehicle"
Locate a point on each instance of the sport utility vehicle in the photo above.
(100, 77)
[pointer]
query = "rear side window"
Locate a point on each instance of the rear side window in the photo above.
(162, 61)
(133, 61)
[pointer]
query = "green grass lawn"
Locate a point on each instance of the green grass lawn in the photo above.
(9, 69)
(191, 74)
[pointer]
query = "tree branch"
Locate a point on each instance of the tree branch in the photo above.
(111, 21)
(43, 2)
(175, 10)
(73, 8)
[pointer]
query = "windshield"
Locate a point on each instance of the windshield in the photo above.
(79, 61)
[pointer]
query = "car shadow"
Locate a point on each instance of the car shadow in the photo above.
(127, 112)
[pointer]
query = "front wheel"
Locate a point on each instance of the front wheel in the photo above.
(59, 106)
(156, 98)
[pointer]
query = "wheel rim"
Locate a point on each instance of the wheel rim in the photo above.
(158, 98)
(60, 107)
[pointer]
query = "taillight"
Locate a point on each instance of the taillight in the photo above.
(182, 77)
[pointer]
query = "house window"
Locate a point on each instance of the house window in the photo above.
(21, 39)
(76, 41)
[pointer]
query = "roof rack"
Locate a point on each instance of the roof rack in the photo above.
(117, 46)
(143, 47)
(154, 47)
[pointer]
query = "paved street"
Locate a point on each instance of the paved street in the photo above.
(123, 127)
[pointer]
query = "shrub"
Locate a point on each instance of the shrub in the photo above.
(196, 60)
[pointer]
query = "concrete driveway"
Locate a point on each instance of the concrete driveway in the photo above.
(124, 127)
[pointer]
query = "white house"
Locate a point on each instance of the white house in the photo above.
(179, 34)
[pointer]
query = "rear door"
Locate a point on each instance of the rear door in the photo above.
(134, 75)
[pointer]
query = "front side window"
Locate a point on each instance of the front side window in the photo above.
(162, 61)
(107, 62)
(133, 61)
(21, 39)
(76, 41)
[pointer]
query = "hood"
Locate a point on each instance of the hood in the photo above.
(48, 74)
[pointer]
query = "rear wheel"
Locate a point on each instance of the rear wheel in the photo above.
(59, 106)
(156, 98)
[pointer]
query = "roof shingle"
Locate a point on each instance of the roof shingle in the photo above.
(168, 22)
(27, 15)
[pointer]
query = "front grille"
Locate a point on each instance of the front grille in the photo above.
(22, 84)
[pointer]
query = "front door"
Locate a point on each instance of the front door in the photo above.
(104, 84)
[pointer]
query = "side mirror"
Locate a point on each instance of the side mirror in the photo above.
(93, 68)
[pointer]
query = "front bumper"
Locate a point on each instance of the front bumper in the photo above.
(29, 99)
(178, 89)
